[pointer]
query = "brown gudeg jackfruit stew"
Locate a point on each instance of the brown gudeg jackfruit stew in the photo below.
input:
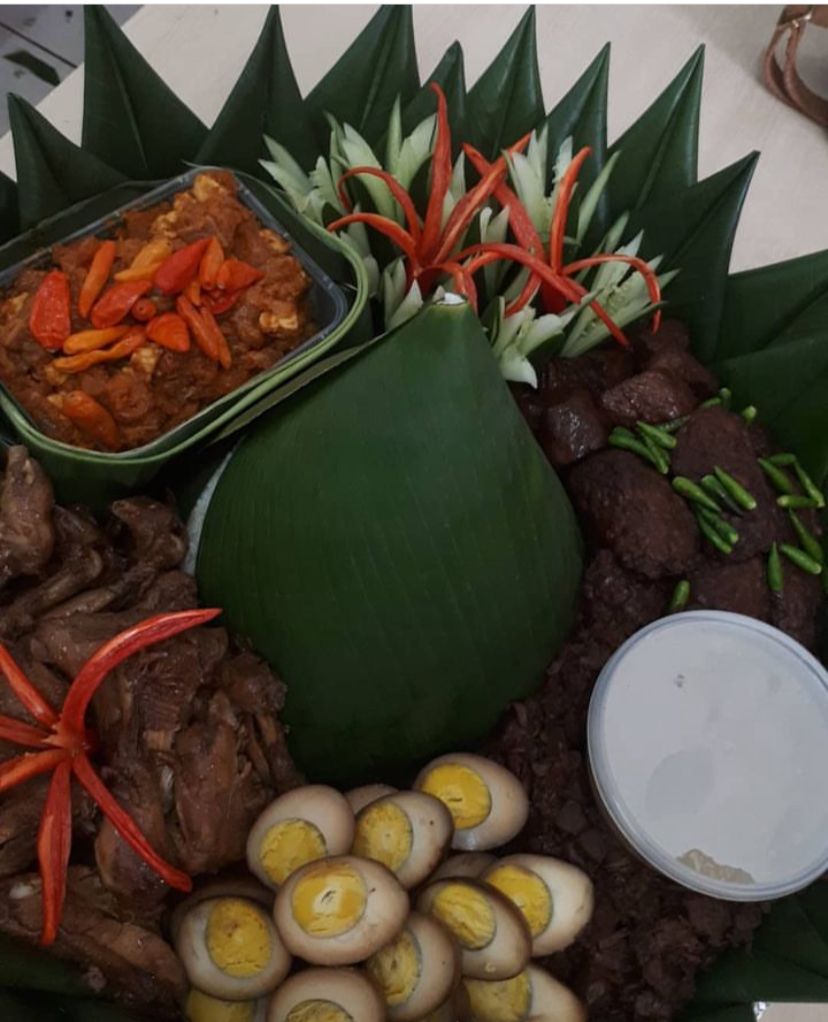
(125, 337)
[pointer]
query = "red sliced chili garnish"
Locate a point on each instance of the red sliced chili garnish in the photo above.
(646, 271)
(69, 757)
(219, 301)
(50, 320)
(557, 231)
(96, 277)
(236, 275)
(390, 228)
(440, 179)
(412, 219)
(115, 304)
(176, 272)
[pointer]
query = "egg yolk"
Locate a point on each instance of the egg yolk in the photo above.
(203, 1008)
(383, 833)
(396, 969)
(237, 938)
(329, 900)
(527, 891)
(318, 1011)
(462, 790)
(467, 912)
(288, 845)
(506, 1000)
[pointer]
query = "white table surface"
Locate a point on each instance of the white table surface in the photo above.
(200, 51)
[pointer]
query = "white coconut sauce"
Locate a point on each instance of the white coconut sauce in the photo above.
(715, 736)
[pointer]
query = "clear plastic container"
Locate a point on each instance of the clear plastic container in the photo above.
(328, 307)
(708, 747)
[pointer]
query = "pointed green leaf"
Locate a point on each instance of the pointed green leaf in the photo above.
(764, 303)
(9, 213)
(582, 116)
(264, 101)
(362, 86)
(131, 119)
(694, 231)
(659, 152)
(788, 383)
(740, 977)
(431, 631)
(53, 173)
(506, 101)
(450, 75)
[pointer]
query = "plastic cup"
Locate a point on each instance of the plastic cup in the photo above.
(708, 747)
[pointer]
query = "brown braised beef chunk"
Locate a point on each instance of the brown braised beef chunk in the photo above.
(649, 938)
(149, 389)
(190, 739)
(120, 955)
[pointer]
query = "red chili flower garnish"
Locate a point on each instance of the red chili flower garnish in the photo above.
(50, 320)
(430, 248)
(63, 745)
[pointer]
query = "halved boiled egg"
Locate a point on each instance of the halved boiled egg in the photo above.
(408, 832)
(554, 897)
(301, 826)
(202, 1007)
(487, 801)
(340, 911)
(456, 1007)
(417, 971)
(359, 798)
(533, 994)
(492, 934)
(466, 864)
(242, 886)
(230, 949)
(327, 995)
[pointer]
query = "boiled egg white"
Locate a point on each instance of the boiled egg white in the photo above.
(327, 995)
(493, 936)
(408, 832)
(418, 970)
(487, 801)
(242, 886)
(301, 826)
(555, 898)
(359, 798)
(202, 1007)
(465, 864)
(230, 949)
(339, 911)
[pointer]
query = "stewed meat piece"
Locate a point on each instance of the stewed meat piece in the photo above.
(632, 510)
(572, 428)
(26, 529)
(650, 396)
(738, 586)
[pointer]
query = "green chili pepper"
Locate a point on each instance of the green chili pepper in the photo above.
(724, 529)
(711, 402)
(810, 544)
(809, 486)
(789, 500)
(749, 414)
(657, 435)
(725, 395)
(782, 459)
(742, 497)
(674, 425)
(780, 479)
(660, 457)
(801, 559)
(681, 594)
(718, 492)
(623, 438)
(776, 579)
(713, 536)
(687, 488)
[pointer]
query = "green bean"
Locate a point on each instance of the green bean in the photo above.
(810, 544)
(725, 395)
(681, 594)
(781, 481)
(624, 439)
(809, 486)
(674, 425)
(776, 579)
(789, 500)
(742, 496)
(713, 536)
(660, 457)
(687, 488)
(801, 559)
(783, 459)
(657, 435)
(724, 528)
(718, 492)
(749, 414)
(711, 402)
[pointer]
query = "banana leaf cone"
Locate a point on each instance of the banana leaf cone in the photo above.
(384, 527)
(395, 542)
